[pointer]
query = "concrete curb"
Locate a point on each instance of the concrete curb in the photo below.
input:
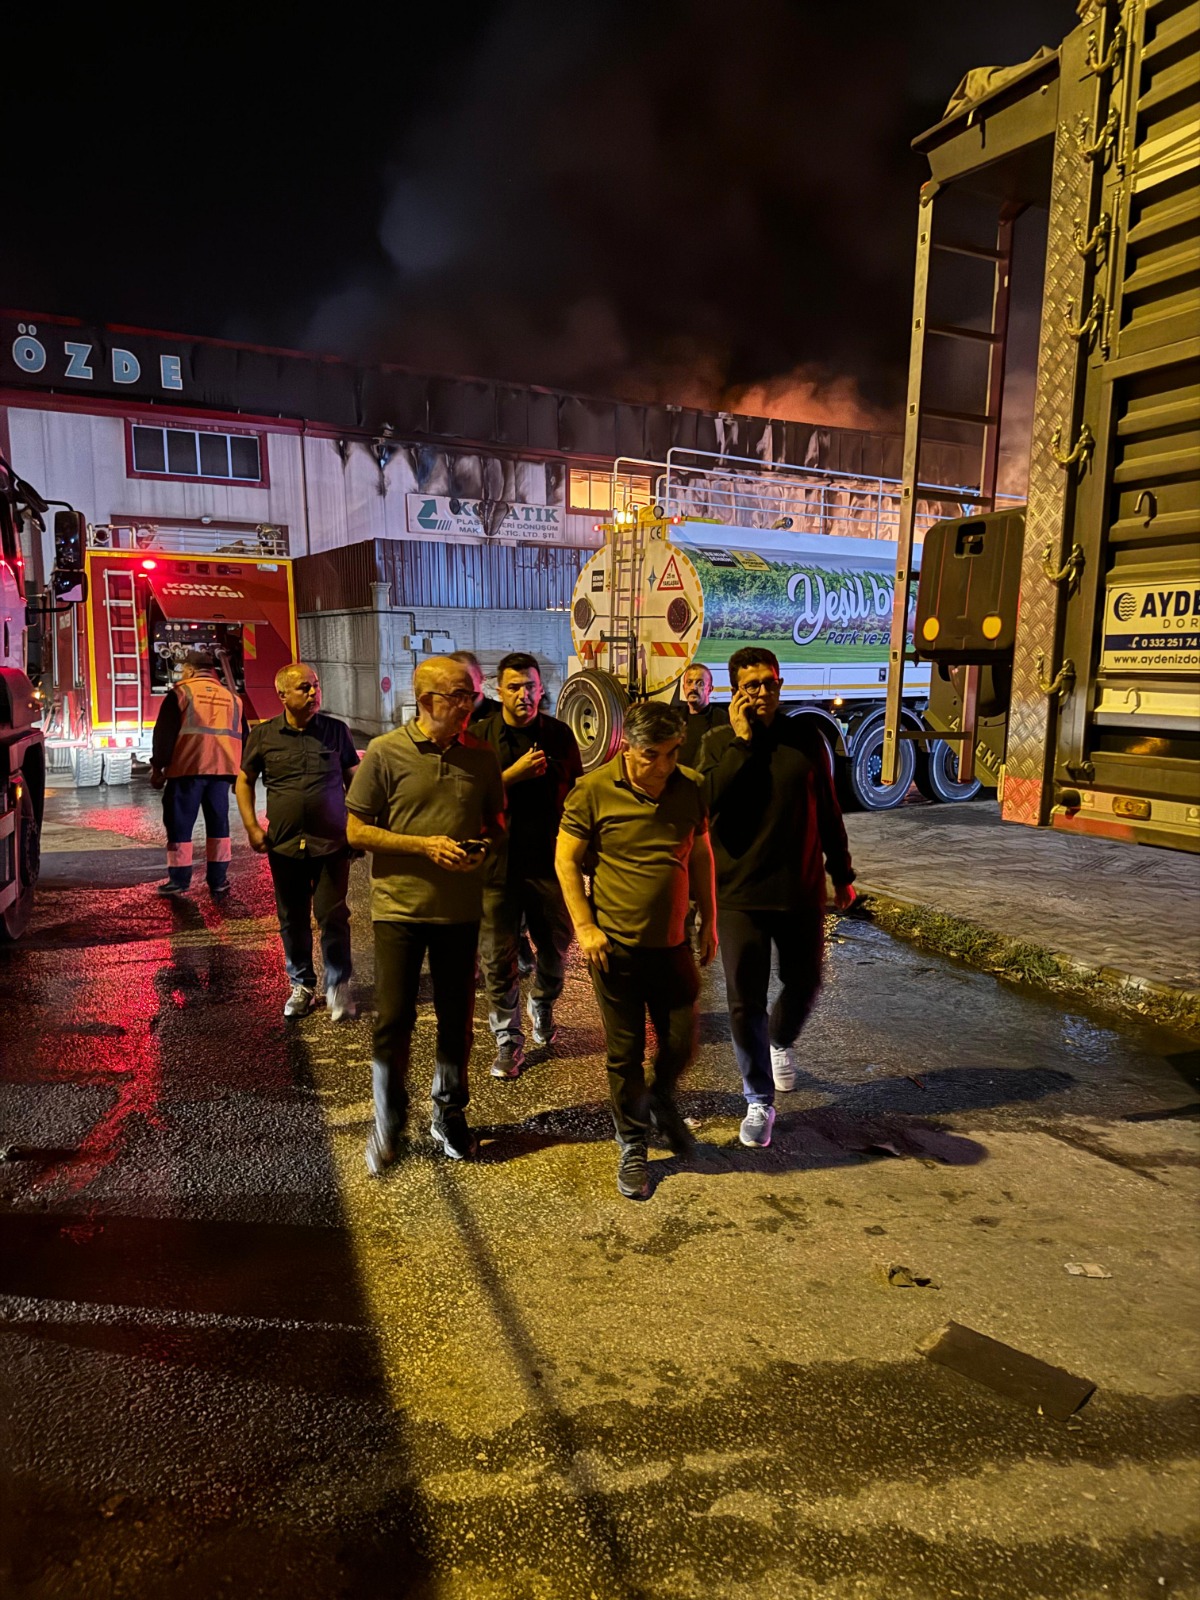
(1028, 962)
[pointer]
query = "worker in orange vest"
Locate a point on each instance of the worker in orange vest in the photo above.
(195, 757)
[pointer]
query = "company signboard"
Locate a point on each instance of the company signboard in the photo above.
(462, 521)
(1152, 627)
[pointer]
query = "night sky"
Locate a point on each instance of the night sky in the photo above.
(674, 199)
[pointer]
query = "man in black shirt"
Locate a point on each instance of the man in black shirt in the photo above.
(775, 824)
(485, 706)
(695, 691)
(306, 761)
(540, 761)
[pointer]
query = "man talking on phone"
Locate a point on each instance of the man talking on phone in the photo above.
(428, 804)
(775, 825)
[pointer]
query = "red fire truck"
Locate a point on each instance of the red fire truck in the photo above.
(147, 605)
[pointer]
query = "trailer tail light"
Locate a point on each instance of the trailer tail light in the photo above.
(149, 566)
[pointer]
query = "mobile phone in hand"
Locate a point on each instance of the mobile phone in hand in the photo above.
(474, 847)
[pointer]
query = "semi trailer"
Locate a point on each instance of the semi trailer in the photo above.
(1064, 633)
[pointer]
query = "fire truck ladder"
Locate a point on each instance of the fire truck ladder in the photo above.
(120, 609)
(922, 409)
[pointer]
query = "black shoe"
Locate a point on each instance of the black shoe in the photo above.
(633, 1175)
(169, 889)
(525, 957)
(666, 1117)
(219, 890)
(455, 1138)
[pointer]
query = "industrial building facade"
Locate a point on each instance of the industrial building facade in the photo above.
(455, 513)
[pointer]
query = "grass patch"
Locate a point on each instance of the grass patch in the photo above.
(1019, 961)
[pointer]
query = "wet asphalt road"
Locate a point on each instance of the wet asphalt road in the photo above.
(236, 1365)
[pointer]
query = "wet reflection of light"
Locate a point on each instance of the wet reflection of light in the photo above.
(124, 992)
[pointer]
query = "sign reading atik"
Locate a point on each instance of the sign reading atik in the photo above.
(443, 517)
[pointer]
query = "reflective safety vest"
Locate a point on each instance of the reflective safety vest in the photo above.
(210, 738)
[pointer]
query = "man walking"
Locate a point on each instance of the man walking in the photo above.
(696, 692)
(194, 758)
(775, 824)
(426, 802)
(306, 760)
(540, 762)
(640, 824)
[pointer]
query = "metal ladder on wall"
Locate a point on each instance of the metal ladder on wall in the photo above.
(921, 409)
(120, 609)
(625, 578)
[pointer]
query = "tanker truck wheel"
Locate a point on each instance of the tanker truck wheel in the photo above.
(861, 774)
(15, 919)
(935, 775)
(593, 706)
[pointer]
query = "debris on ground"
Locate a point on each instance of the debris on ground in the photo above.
(1086, 1269)
(901, 1277)
(1051, 1390)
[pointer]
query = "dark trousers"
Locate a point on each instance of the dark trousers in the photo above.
(539, 902)
(400, 949)
(308, 886)
(183, 801)
(746, 940)
(665, 983)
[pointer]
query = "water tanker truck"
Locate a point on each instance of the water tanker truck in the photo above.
(730, 553)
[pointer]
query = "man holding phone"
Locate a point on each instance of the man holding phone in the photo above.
(775, 824)
(540, 761)
(428, 804)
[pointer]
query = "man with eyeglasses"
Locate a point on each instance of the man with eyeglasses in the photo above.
(775, 825)
(428, 804)
(306, 761)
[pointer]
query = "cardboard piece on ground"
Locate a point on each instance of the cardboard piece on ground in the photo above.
(1086, 1269)
(1010, 1372)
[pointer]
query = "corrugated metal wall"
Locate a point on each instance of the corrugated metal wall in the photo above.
(422, 573)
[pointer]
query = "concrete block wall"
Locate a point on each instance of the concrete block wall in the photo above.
(356, 652)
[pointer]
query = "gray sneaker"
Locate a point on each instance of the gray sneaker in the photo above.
(783, 1067)
(510, 1058)
(755, 1130)
(300, 1002)
(633, 1175)
(341, 1003)
(542, 1029)
(380, 1152)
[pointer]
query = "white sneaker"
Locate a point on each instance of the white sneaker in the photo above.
(755, 1130)
(300, 1002)
(783, 1067)
(341, 1003)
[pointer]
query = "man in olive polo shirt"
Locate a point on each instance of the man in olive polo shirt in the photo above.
(306, 761)
(640, 825)
(426, 803)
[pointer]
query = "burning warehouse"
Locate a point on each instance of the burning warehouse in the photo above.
(266, 502)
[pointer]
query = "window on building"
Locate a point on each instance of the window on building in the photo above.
(593, 491)
(197, 453)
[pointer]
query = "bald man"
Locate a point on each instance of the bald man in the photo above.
(306, 761)
(427, 803)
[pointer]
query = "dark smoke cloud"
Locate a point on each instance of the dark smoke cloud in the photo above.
(690, 201)
(685, 199)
